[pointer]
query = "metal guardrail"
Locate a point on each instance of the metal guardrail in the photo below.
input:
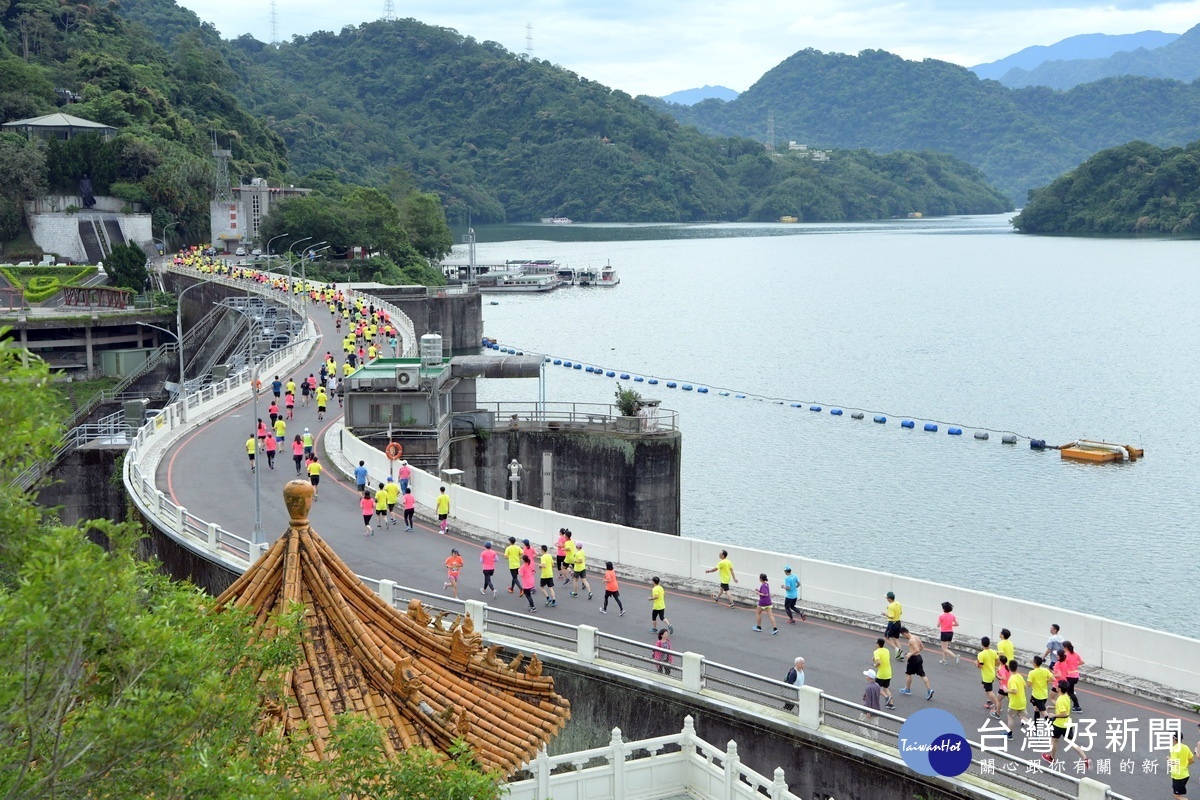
(551, 416)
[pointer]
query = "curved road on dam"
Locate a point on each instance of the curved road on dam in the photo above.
(207, 471)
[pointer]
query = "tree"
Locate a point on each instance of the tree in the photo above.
(424, 220)
(117, 682)
(126, 267)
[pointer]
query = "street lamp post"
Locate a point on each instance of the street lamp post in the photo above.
(291, 289)
(309, 252)
(273, 238)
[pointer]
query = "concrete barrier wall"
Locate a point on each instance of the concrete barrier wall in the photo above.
(1151, 655)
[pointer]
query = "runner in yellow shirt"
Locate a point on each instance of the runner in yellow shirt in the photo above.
(251, 448)
(1062, 725)
(1017, 701)
(579, 564)
(882, 659)
(314, 474)
(986, 661)
(658, 606)
(546, 562)
(1178, 761)
(892, 632)
(1039, 687)
(513, 554)
(443, 511)
(725, 576)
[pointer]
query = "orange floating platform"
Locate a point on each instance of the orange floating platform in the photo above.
(1099, 452)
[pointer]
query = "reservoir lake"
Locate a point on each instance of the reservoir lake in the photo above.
(959, 321)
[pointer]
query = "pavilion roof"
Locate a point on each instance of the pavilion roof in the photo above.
(427, 680)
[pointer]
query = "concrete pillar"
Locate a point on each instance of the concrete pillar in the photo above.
(809, 707)
(158, 503)
(213, 534)
(616, 757)
(87, 338)
(179, 517)
(585, 645)
(477, 611)
(693, 671)
(387, 591)
(732, 763)
(542, 767)
(547, 480)
(1092, 790)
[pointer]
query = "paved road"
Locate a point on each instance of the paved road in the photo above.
(208, 472)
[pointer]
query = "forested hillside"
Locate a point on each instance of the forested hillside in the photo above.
(1021, 139)
(165, 101)
(1133, 189)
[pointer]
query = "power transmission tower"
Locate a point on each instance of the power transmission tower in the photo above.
(771, 131)
(389, 10)
(274, 25)
(222, 192)
(529, 38)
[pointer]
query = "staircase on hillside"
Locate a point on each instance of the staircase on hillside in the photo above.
(115, 236)
(91, 241)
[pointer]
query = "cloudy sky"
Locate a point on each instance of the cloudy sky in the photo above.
(648, 47)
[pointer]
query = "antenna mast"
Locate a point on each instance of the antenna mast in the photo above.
(389, 10)
(222, 192)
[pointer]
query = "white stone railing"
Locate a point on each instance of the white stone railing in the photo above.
(688, 766)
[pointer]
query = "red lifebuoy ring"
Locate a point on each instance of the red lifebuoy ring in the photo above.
(393, 451)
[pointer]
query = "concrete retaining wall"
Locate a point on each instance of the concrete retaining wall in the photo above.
(59, 233)
(457, 317)
(626, 480)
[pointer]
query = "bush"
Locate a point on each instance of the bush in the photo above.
(41, 283)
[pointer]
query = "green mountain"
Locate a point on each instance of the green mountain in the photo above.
(1178, 59)
(403, 107)
(1074, 48)
(1136, 188)
(1021, 139)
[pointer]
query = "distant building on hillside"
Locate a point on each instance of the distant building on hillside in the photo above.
(237, 221)
(801, 151)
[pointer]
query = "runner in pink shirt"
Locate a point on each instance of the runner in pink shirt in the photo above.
(367, 505)
(527, 572)
(410, 506)
(947, 622)
(487, 560)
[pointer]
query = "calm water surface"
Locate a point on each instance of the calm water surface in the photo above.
(953, 320)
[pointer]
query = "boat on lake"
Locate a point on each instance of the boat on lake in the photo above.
(556, 220)
(605, 276)
(516, 282)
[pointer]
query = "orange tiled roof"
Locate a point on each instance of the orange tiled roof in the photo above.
(426, 682)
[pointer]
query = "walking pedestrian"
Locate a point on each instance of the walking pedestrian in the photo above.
(1061, 725)
(367, 505)
(986, 660)
(882, 661)
(1178, 761)
(454, 565)
(947, 622)
(662, 653)
(269, 446)
(405, 475)
(298, 453)
(914, 664)
(791, 596)
(579, 564)
(443, 511)
(1053, 645)
(314, 474)
(795, 677)
(410, 509)
(764, 604)
(526, 573)
(725, 576)
(1018, 702)
(251, 447)
(513, 554)
(870, 700)
(611, 589)
(487, 561)
(892, 632)
(546, 562)
(658, 606)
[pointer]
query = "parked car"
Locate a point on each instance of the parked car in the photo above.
(256, 252)
(241, 251)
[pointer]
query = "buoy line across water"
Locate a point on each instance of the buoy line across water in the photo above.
(880, 417)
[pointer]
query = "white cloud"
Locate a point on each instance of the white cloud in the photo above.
(657, 48)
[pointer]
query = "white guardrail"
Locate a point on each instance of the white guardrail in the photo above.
(848, 587)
